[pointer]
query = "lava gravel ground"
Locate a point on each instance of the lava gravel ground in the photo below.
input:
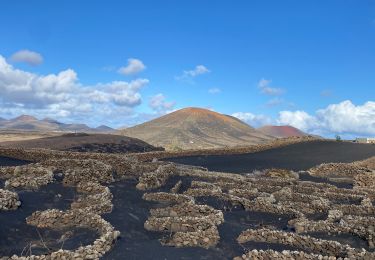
(301, 156)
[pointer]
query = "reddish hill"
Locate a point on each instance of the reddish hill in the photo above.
(196, 128)
(281, 131)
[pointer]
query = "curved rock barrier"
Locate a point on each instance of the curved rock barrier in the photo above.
(30, 176)
(284, 255)
(317, 246)
(9, 200)
(320, 249)
(191, 204)
(272, 191)
(192, 225)
(360, 173)
(59, 219)
(93, 200)
(96, 198)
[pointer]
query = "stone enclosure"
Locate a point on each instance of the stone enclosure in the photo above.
(318, 212)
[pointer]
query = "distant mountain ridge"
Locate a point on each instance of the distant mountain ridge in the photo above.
(30, 123)
(196, 128)
(282, 131)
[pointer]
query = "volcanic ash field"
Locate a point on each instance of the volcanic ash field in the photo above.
(67, 205)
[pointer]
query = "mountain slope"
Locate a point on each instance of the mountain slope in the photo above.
(104, 129)
(281, 131)
(30, 123)
(196, 128)
(27, 123)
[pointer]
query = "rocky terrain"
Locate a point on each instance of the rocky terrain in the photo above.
(196, 128)
(71, 205)
(83, 142)
(13, 135)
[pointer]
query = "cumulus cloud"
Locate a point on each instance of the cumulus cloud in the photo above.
(62, 95)
(342, 118)
(198, 70)
(265, 88)
(159, 104)
(253, 119)
(298, 119)
(134, 66)
(26, 56)
(214, 91)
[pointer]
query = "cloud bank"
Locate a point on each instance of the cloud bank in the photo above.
(62, 95)
(343, 118)
(253, 119)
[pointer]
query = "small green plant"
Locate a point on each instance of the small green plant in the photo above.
(175, 146)
(338, 138)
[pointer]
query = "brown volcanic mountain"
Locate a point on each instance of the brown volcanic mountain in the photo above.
(281, 131)
(30, 123)
(27, 123)
(196, 128)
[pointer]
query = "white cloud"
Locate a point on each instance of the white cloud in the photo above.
(62, 95)
(265, 88)
(298, 119)
(198, 70)
(159, 104)
(214, 91)
(252, 119)
(26, 56)
(342, 118)
(134, 66)
(275, 102)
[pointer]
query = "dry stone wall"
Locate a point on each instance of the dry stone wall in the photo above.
(8, 200)
(310, 206)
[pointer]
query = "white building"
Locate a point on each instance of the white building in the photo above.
(365, 140)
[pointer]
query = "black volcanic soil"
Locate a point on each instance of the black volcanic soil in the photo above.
(82, 142)
(6, 161)
(128, 216)
(131, 211)
(301, 156)
(16, 235)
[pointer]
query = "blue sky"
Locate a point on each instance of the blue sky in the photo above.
(253, 59)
